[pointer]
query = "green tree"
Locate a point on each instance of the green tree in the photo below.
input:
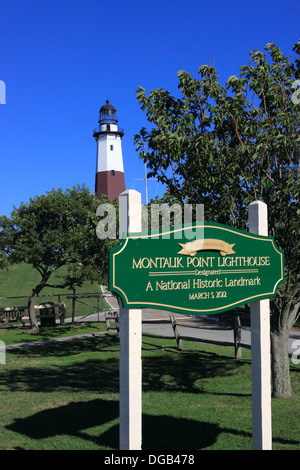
(226, 146)
(55, 230)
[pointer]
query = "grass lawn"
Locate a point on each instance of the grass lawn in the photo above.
(64, 395)
(12, 335)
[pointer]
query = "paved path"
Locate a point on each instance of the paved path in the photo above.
(202, 328)
(209, 328)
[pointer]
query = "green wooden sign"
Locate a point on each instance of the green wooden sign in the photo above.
(198, 269)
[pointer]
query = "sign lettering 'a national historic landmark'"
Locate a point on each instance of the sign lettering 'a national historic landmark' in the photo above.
(221, 268)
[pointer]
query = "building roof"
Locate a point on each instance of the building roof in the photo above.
(107, 107)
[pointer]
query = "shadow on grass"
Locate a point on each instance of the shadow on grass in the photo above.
(72, 420)
(164, 368)
(159, 432)
(90, 375)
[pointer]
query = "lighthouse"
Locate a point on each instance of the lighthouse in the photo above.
(109, 168)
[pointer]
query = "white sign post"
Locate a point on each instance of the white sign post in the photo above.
(130, 373)
(260, 348)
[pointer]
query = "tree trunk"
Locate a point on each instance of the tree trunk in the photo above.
(237, 335)
(46, 273)
(280, 364)
(31, 310)
(285, 311)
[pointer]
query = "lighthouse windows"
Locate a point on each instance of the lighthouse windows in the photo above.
(112, 172)
(111, 147)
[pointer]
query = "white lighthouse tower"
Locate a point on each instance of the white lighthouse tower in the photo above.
(109, 169)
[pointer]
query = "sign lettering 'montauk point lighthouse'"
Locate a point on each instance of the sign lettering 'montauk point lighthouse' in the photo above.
(109, 170)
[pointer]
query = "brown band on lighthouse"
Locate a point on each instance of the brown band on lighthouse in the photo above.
(111, 183)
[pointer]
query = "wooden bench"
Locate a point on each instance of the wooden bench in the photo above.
(13, 314)
(46, 311)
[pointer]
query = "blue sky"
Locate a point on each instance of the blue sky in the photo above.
(62, 59)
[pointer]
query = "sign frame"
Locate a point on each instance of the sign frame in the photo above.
(218, 245)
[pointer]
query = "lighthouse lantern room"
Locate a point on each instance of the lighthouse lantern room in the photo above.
(109, 169)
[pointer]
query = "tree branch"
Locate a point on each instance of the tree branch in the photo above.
(267, 174)
(237, 132)
(57, 286)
